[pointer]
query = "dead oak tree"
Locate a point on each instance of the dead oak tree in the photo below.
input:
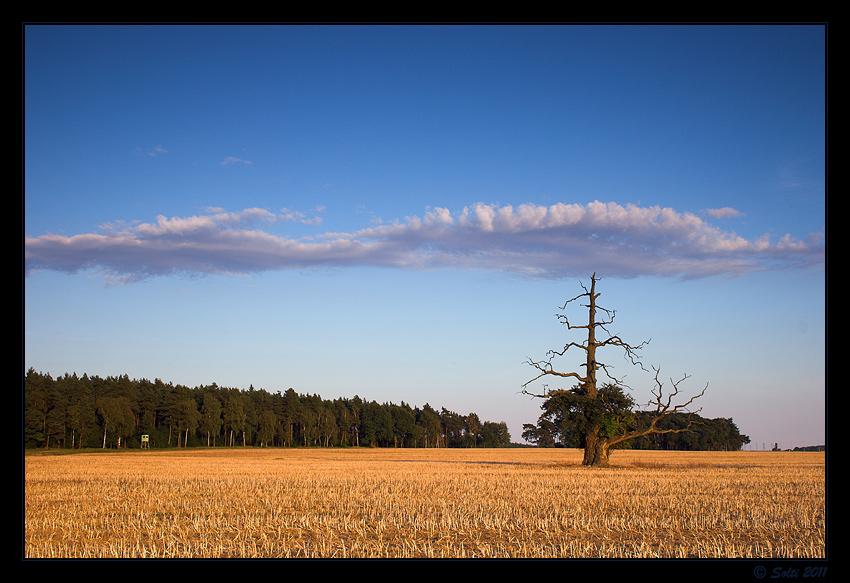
(604, 413)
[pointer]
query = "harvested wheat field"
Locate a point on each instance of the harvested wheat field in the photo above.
(417, 503)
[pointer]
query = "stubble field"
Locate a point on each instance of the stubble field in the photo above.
(418, 503)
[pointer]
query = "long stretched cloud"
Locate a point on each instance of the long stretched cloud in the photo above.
(561, 240)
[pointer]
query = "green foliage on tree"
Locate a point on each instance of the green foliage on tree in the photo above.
(495, 434)
(575, 413)
(554, 430)
(211, 417)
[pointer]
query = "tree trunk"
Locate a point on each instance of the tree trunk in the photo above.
(596, 450)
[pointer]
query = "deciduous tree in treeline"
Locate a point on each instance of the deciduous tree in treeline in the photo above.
(211, 421)
(234, 416)
(116, 418)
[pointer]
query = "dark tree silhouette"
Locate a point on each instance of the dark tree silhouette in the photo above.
(602, 413)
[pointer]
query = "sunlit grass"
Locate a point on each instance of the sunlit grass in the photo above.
(530, 503)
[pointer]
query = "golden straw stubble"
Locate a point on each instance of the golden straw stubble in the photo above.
(531, 503)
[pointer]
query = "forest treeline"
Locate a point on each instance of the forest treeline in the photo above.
(718, 434)
(92, 412)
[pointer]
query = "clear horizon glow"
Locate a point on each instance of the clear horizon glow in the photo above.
(397, 212)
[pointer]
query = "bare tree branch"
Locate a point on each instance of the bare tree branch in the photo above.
(664, 407)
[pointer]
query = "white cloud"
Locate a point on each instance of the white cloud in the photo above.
(292, 216)
(724, 213)
(562, 240)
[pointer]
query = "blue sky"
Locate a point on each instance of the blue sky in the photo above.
(398, 212)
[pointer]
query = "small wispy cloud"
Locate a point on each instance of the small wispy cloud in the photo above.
(292, 216)
(723, 213)
(152, 152)
(231, 160)
(561, 240)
